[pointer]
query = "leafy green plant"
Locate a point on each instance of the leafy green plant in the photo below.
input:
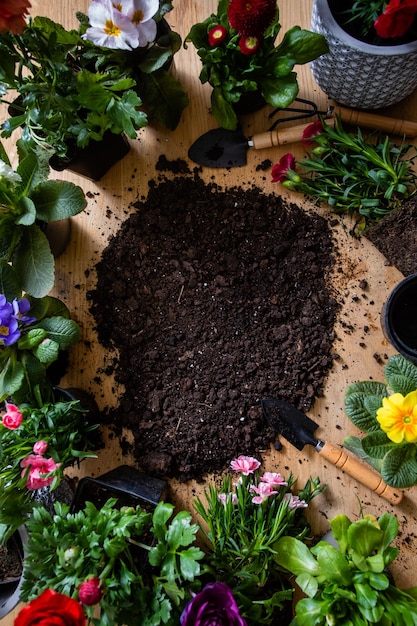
(387, 413)
(148, 66)
(63, 101)
(28, 202)
(241, 526)
(142, 563)
(370, 176)
(32, 334)
(36, 445)
(350, 585)
(235, 67)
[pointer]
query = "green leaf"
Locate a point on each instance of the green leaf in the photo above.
(189, 565)
(308, 584)
(367, 387)
(294, 556)
(354, 444)
(399, 467)
(279, 92)
(340, 525)
(34, 262)
(222, 110)
(47, 351)
(57, 200)
(65, 332)
(9, 281)
(333, 564)
(27, 212)
(401, 374)
(303, 45)
(124, 114)
(357, 405)
(11, 376)
(165, 98)
(377, 444)
(364, 537)
(31, 339)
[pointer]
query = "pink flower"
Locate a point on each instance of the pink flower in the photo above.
(273, 479)
(224, 498)
(249, 44)
(40, 447)
(90, 591)
(316, 128)
(251, 17)
(245, 464)
(39, 467)
(294, 502)
(217, 35)
(264, 490)
(280, 169)
(13, 418)
(397, 18)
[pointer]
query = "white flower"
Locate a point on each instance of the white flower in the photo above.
(109, 27)
(9, 174)
(141, 16)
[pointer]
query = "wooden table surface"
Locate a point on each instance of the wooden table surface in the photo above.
(109, 203)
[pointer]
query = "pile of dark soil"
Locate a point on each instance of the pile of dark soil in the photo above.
(214, 298)
(396, 237)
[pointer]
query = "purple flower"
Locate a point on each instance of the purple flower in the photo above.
(214, 605)
(20, 307)
(9, 331)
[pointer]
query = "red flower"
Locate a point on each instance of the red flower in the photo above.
(216, 35)
(316, 128)
(51, 609)
(397, 18)
(249, 45)
(12, 15)
(279, 170)
(89, 592)
(251, 17)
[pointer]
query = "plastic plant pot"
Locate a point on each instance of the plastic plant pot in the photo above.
(10, 590)
(130, 486)
(399, 318)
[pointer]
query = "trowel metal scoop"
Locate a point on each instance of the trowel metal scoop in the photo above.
(227, 148)
(298, 430)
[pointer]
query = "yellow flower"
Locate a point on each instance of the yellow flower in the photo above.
(398, 417)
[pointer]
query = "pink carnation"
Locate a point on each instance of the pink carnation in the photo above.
(224, 498)
(245, 464)
(294, 502)
(274, 479)
(40, 447)
(264, 490)
(12, 418)
(39, 467)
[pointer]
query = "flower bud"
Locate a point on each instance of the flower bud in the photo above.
(89, 592)
(71, 555)
(40, 447)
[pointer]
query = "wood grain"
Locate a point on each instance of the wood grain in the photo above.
(358, 333)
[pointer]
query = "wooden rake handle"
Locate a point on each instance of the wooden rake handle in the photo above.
(359, 471)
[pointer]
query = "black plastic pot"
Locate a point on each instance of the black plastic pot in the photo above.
(399, 318)
(130, 486)
(10, 591)
(96, 159)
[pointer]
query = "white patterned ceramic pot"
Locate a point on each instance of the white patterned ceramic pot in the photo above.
(357, 74)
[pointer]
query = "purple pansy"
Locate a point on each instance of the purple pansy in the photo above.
(20, 307)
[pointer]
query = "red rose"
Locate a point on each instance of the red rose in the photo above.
(397, 18)
(51, 609)
(89, 592)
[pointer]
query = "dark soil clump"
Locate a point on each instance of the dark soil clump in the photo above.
(396, 237)
(215, 298)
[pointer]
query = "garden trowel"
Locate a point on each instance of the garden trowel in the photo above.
(298, 430)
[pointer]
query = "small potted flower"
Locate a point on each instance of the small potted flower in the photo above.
(64, 104)
(31, 204)
(241, 521)
(33, 333)
(142, 48)
(124, 565)
(37, 443)
(387, 413)
(242, 60)
(372, 50)
(350, 583)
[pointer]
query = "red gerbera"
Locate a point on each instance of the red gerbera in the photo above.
(251, 17)
(12, 15)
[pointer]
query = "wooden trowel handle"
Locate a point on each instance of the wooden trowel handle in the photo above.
(390, 125)
(359, 471)
(280, 137)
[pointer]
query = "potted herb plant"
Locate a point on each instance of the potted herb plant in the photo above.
(64, 104)
(372, 50)
(122, 564)
(241, 520)
(143, 51)
(37, 443)
(350, 584)
(241, 58)
(30, 204)
(387, 413)
(367, 177)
